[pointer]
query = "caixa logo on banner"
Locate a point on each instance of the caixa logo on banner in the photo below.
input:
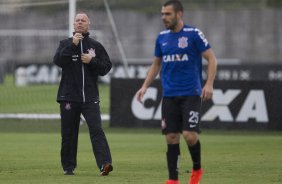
(226, 106)
(253, 107)
(144, 111)
(37, 74)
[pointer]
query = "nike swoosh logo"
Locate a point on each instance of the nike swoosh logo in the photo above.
(164, 44)
(192, 126)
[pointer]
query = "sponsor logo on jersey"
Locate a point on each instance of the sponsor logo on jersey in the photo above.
(182, 42)
(175, 57)
(202, 36)
(200, 33)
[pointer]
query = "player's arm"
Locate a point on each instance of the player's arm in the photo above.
(152, 73)
(207, 91)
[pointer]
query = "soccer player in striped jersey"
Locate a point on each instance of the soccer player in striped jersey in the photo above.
(178, 57)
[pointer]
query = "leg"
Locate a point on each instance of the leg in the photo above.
(191, 115)
(173, 154)
(194, 147)
(70, 117)
(101, 150)
(171, 123)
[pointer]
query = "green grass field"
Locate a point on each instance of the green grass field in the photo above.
(30, 149)
(139, 157)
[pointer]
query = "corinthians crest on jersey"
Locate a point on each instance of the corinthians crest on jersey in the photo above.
(183, 42)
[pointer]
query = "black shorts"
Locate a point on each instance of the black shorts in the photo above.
(181, 113)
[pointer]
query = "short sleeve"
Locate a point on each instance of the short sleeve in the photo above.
(158, 51)
(202, 43)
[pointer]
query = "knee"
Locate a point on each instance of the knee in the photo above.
(191, 138)
(172, 138)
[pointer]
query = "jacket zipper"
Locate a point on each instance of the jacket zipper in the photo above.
(83, 94)
(82, 68)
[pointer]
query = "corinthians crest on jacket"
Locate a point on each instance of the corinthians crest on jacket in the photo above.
(91, 51)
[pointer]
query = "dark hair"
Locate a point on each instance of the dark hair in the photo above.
(177, 6)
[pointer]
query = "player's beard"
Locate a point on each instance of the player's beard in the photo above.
(172, 25)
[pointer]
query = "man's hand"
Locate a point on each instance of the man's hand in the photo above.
(140, 93)
(86, 58)
(207, 92)
(76, 38)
